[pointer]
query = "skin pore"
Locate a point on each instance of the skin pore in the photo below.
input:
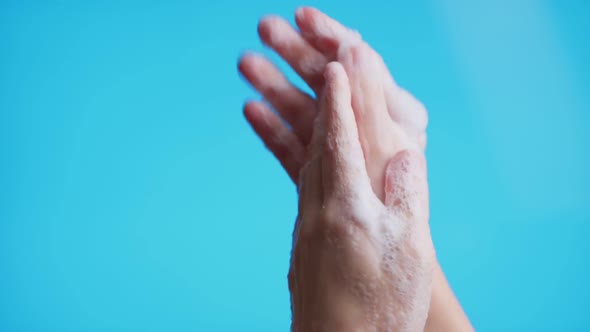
(384, 206)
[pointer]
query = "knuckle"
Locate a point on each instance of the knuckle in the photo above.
(331, 212)
(340, 216)
(356, 52)
(417, 109)
(270, 91)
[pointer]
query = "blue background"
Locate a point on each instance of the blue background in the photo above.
(134, 196)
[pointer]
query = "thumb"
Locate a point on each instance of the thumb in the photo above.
(406, 185)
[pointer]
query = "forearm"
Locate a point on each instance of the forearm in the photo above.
(328, 309)
(341, 319)
(445, 314)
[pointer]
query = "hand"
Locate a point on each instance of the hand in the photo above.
(358, 264)
(322, 40)
(308, 53)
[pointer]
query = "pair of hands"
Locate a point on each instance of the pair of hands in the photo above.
(362, 255)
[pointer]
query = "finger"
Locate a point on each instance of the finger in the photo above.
(295, 107)
(376, 129)
(344, 162)
(277, 137)
(382, 107)
(323, 32)
(368, 99)
(311, 195)
(307, 62)
(406, 185)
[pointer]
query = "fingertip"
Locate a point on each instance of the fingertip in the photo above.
(250, 109)
(333, 71)
(249, 104)
(249, 66)
(245, 59)
(337, 84)
(269, 26)
(261, 119)
(265, 26)
(300, 14)
(304, 13)
(254, 110)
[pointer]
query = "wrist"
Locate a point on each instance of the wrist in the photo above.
(445, 312)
